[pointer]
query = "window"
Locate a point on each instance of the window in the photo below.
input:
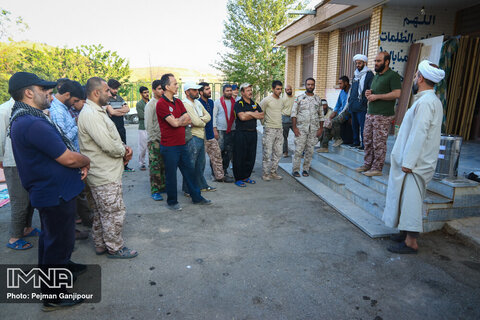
(354, 40)
(307, 71)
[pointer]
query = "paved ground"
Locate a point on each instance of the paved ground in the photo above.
(268, 251)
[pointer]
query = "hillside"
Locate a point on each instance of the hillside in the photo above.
(182, 74)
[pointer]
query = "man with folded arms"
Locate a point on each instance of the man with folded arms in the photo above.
(51, 171)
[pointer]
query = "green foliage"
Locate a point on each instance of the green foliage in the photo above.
(7, 22)
(53, 63)
(249, 36)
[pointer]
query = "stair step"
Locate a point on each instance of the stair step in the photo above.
(368, 223)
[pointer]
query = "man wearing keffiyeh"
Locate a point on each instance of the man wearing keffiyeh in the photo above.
(51, 171)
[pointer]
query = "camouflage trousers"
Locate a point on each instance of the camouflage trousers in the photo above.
(334, 131)
(157, 167)
(272, 142)
(108, 209)
(375, 135)
(215, 154)
(304, 145)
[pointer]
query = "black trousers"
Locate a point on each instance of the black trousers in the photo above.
(244, 153)
(56, 241)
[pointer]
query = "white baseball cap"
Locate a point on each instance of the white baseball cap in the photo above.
(191, 85)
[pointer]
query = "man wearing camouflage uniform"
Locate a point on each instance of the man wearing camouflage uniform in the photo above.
(157, 167)
(101, 142)
(306, 115)
(272, 132)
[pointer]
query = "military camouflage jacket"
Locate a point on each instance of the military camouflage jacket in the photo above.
(308, 111)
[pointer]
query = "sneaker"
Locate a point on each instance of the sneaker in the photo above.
(123, 253)
(362, 169)
(276, 176)
(337, 142)
(203, 202)
(371, 173)
(174, 207)
(157, 197)
(143, 168)
(266, 177)
(323, 150)
(209, 189)
(127, 169)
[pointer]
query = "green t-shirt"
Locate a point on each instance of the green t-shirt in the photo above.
(141, 114)
(381, 84)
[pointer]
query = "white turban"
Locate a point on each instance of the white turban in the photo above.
(361, 57)
(429, 72)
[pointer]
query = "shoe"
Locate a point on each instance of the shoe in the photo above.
(123, 253)
(203, 202)
(371, 173)
(81, 235)
(157, 197)
(127, 169)
(266, 177)
(174, 207)
(143, 168)
(276, 176)
(209, 189)
(322, 150)
(285, 154)
(226, 179)
(337, 142)
(60, 304)
(400, 237)
(76, 268)
(402, 248)
(186, 194)
(362, 169)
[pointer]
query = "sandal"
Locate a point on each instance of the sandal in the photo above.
(19, 245)
(123, 253)
(240, 184)
(305, 173)
(248, 180)
(34, 233)
(296, 174)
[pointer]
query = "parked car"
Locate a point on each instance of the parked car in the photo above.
(131, 116)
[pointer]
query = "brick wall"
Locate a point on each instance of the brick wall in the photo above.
(298, 66)
(333, 64)
(402, 26)
(373, 39)
(290, 66)
(320, 60)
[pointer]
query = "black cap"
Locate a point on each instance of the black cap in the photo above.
(25, 79)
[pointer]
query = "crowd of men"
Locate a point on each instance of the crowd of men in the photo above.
(64, 153)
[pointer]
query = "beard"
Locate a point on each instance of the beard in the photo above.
(380, 68)
(309, 90)
(104, 100)
(42, 102)
(193, 96)
(415, 87)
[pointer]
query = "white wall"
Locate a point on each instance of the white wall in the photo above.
(398, 30)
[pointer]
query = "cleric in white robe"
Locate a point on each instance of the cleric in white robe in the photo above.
(413, 160)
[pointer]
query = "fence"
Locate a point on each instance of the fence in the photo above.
(130, 91)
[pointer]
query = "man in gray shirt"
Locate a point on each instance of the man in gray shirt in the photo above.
(224, 125)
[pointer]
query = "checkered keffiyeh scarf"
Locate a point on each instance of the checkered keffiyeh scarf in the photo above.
(21, 109)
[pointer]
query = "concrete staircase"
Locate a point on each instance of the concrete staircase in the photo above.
(361, 199)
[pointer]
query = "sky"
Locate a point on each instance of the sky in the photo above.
(178, 33)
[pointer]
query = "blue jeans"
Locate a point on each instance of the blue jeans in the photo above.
(196, 149)
(358, 123)
(178, 157)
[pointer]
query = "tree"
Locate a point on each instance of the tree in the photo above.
(7, 22)
(53, 63)
(249, 37)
